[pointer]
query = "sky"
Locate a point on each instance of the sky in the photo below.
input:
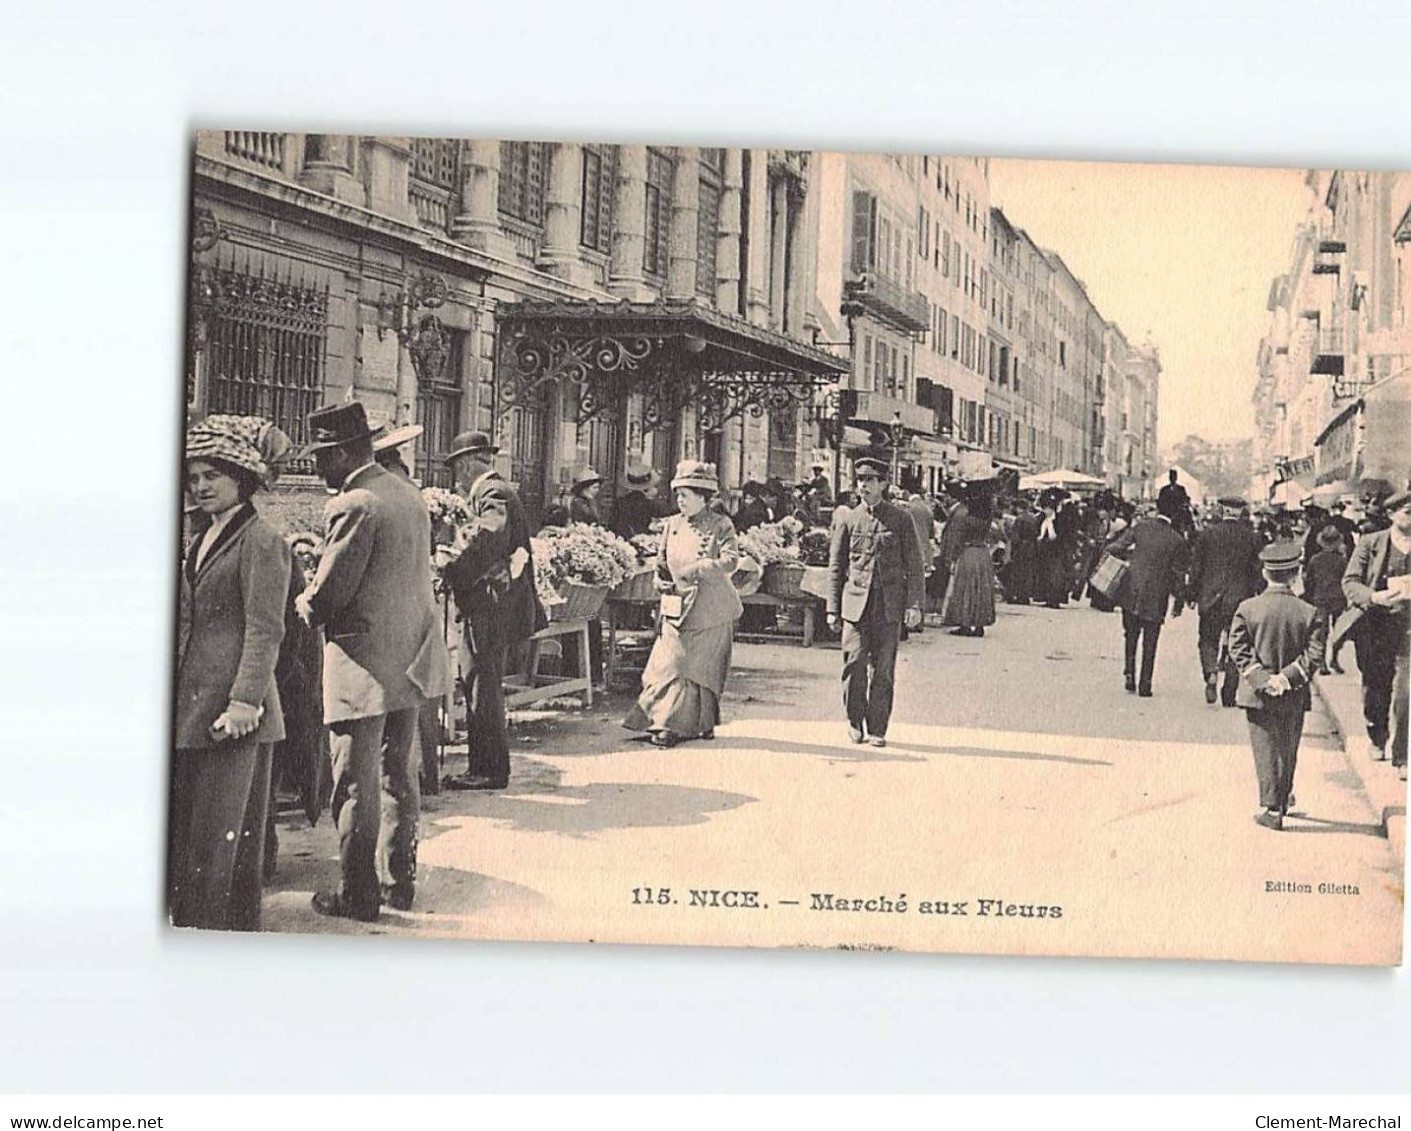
(1180, 254)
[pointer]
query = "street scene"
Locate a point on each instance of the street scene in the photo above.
(1056, 795)
(764, 547)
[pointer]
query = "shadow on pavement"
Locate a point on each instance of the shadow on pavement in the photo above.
(1322, 825)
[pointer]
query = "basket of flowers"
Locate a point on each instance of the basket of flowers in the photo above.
(448, 512)
(576, 566)
(639, 586)
(775, 546)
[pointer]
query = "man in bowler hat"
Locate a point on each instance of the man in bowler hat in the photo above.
(1156, 581)
(1276, 641)
(491, 574)
(874, 586)
(384, 656)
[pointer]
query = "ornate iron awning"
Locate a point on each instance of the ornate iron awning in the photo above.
(675, 353)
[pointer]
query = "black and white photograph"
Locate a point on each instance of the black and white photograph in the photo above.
(792, 548)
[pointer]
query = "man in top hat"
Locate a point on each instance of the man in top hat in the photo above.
(1276, 642)
(384, 656)
(491, 574)
(1156, 580)
(634, 509)
(1224, 571)
(1377, 582)
(874, 586)
(1177, 502)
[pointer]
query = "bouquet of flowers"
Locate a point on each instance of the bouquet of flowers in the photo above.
(647, 546)
(813, 547)
(580, 554)
(445, 507)
(773, 542)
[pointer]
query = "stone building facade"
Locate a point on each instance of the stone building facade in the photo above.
(589, 305)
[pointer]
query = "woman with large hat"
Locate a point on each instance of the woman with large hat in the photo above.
(685, 675)
(233, 592)
(583, 497)
(970, 605)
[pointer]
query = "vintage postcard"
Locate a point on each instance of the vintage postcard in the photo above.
(763, 547)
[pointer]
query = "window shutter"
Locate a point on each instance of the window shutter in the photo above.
(864, 223)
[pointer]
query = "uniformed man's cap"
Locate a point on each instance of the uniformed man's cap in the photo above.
(1234, 502)
(1397, 501)
(871, 466)
(1281, 555)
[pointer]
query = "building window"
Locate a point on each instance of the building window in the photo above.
(599, 172)
(436, 160)
(923, 230)
(266, 351)
(708, 224)
(904, 385)
(864, 232)
(940, 331)
(438, 411)
(522, 166)
(866, 363)
(657, 252)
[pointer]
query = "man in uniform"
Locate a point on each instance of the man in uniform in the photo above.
(1224, 571)
(384, 656)
(1276, 641)
(1376, 582)
(874, 586)
(491, 574)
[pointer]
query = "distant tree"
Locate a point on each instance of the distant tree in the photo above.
(1223, 467)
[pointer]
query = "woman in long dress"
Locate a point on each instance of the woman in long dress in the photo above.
(685, 675)
(971, 604)
(234, 584)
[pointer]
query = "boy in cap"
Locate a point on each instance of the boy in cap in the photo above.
(1322, 584)
(1276, 641)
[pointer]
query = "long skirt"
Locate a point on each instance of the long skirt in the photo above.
(971, 603)
(683, 681)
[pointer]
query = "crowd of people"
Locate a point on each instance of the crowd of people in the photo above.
(322, 658)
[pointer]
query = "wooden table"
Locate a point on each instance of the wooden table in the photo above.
(807, 602)
(613, 612)
(529, 686)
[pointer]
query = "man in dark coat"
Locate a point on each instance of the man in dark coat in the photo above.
(1376, 583)
(1276, 641)
(491, 574)
(1158, 558)
(1019, 576)
(874, 586)
(384, 656)
(1175, 501)
(1224, 571)
(635, 508)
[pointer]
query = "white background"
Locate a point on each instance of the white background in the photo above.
(95, 104)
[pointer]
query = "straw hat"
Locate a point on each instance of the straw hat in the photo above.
(586, 477)
(696, 474)
(385, 437)
(640, 477)
(205, 442)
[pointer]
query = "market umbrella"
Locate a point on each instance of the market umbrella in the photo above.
(1066, 478)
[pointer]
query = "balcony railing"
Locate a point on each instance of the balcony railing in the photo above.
(259, 149)
(432, 204)
(891, 303)
(883, 408)
(1328, 354)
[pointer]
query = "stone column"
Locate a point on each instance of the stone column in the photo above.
(563, 216)
(478, 222)
(778, 251)
(757, 225)
(727, 254)
(328, 168)
(387, 175)
(795, 258)
(685, 223)
(629, 225)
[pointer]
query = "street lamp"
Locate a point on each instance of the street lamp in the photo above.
(896, 430)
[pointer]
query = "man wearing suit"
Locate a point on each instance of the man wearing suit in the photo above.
(1224, 571)
(491, 574)
(1383, 635)
(1174, 501)
(384, 656)
(874, 586)
(1158, 557)
(1276, 640)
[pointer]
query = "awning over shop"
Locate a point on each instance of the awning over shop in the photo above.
(675, 353)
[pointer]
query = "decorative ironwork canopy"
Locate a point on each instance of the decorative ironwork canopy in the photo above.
(674, 353)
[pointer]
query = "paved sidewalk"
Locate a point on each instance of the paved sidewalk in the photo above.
(1342, 698)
